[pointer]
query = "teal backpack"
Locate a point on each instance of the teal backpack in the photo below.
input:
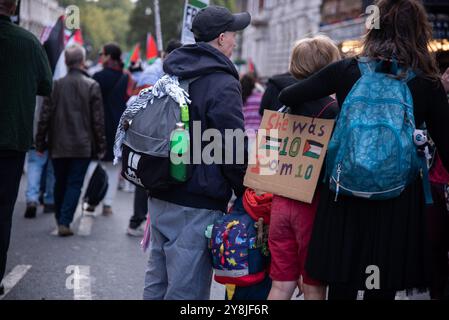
(374, 152)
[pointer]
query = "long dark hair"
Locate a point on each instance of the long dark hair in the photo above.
(404, 34)
(248, 82)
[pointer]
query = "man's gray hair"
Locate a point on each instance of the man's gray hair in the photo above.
(75, 55)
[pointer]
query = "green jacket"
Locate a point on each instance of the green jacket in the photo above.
(24, 73)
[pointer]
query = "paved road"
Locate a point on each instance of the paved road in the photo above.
(109, 264)
(40, 264)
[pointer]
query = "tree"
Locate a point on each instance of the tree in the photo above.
(142, 20)
(230, 4)
(172, 12)
(102, 22)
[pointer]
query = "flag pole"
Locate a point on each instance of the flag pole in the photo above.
(158, 25)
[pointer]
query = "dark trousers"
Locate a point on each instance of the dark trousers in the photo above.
(140, 208)
(347, 293)
(11, 168)
(438, 223)
(69, 178)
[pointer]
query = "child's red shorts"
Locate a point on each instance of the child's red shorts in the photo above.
(290, 231)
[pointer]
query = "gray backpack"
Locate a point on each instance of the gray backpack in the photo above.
(146, 146)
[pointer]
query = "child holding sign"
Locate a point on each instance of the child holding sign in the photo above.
(291, 220)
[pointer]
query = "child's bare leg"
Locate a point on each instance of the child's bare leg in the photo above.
(282, 290)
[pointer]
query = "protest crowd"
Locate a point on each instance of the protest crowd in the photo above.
(329, 179)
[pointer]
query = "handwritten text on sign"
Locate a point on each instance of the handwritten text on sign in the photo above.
(289, 155)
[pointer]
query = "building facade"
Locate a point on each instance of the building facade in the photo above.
(275, 27)
(277, 24)
(342, 20)
(37, 15)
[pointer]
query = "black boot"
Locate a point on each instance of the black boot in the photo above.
(30, 212)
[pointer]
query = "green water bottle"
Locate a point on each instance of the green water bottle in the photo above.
(185, 117)
(179, 153)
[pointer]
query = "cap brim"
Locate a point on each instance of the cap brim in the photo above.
(241, 21)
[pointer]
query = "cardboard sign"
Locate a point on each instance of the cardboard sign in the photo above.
(192, 7)
(288, 155)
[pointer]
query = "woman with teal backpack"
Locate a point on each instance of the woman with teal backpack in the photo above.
(370, 229)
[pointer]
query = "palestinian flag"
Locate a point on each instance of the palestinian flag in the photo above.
(78, 37)
(251, 66)
(54, 47)
(134, 56)
(152, 52)
(272, 144)
(313, 149)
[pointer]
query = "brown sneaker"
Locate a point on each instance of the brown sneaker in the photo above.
(107, 210)
(64, 231)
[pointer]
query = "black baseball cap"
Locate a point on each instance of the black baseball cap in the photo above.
(212, 21)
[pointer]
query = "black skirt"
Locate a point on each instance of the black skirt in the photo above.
(353, 233)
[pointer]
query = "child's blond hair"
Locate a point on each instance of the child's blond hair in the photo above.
(311, 55)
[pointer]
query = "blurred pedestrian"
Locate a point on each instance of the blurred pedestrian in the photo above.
(136, 223)
(73, 120)
(353, 235)
(270, 99)
(136, 70)
(155, 71)
(39, 167)
(179, 266)
(438, 222)
(24, 73)
(117, 87)
(252, 97)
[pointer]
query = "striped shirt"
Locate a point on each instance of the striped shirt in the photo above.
(251, 111)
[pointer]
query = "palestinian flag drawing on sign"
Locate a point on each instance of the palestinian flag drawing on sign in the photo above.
(313, 149)
(272, 144)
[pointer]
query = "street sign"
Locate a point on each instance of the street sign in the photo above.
(192, 7)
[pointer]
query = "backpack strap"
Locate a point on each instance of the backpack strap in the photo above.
(366, 65)
(185, 83)
(369, 66)
(325, 108)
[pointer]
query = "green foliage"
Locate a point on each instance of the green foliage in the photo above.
(141, 22)
(230, 4)
(102, 21)
(121, 21)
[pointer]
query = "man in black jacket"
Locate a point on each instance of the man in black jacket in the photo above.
(179, 267)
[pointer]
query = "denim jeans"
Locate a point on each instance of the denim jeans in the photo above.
(69, 174)
(35, 168)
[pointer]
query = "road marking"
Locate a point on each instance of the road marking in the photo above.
(79, 281)
(14, 277)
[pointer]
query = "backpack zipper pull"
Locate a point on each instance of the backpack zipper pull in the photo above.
(338, 182)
